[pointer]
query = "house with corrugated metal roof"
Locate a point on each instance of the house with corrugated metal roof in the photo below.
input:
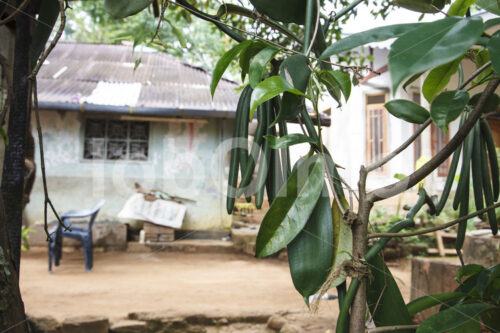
(109, 121)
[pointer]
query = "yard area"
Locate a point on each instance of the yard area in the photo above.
(176, 284)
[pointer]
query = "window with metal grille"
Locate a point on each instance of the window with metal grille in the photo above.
(376, 131)
(116, 140)
(439, 139)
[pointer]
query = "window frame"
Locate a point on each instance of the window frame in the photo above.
(417, 144)
(383, 117)
(434, 151)
(128, 140)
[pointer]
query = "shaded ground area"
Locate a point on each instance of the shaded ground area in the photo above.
(171, 283)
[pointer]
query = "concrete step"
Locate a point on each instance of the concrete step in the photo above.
(184, 245)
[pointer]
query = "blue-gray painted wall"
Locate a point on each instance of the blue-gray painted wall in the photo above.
(185, 159)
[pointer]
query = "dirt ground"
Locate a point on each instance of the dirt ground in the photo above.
(121, 282)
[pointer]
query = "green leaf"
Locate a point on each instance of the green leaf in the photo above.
(400, 176)
(491, 105)
(286, 11)
(494, 50)
(491, 23)
(411, 80)
(178, 34)
(310, 254)
(432, 44)
(292, 207)
(428, 301)
(365, 37)
(224, 62)
(472, 326)
(248, 53)
(421, 6)
(486, 278)
(259, 63)
(288, 140)
(295, 70)
(452, 318)
(120, 9)
(268, 89)
(459, 7)
(468, 270)
(336, 81)
(447, 106)
(438, 78)
(342, 241)
(49, 12)
(384, 298)
(490, 5)
(407, 110)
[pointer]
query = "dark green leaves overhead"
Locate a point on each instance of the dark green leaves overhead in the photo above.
(431, 45)
(421, 6)
(223, 62)
(286, 11)
(365, 37)
(310, 254)
(452, 318)
(292, 207)
(438, 78)
(407, 110)
(49, 12)
(289, 140)
(120, 9)
(258, 64)
(268, 89)
(447, 106)
(494, 49)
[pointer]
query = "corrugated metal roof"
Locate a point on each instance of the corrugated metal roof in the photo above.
(99, 74)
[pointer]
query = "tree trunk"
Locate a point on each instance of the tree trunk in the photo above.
(12, 317)
(14, 160)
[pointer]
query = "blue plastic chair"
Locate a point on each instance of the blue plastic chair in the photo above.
(84, 235)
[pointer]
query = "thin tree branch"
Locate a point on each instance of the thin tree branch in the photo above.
(234, 9)
(441, 156)
(392, 328)
(475, 74)
(400, 148)
(440, 227)
(14, 14)
(47, 200)
(164, 6)
(347, 9)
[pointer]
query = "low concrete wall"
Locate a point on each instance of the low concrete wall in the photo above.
(481, 247)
